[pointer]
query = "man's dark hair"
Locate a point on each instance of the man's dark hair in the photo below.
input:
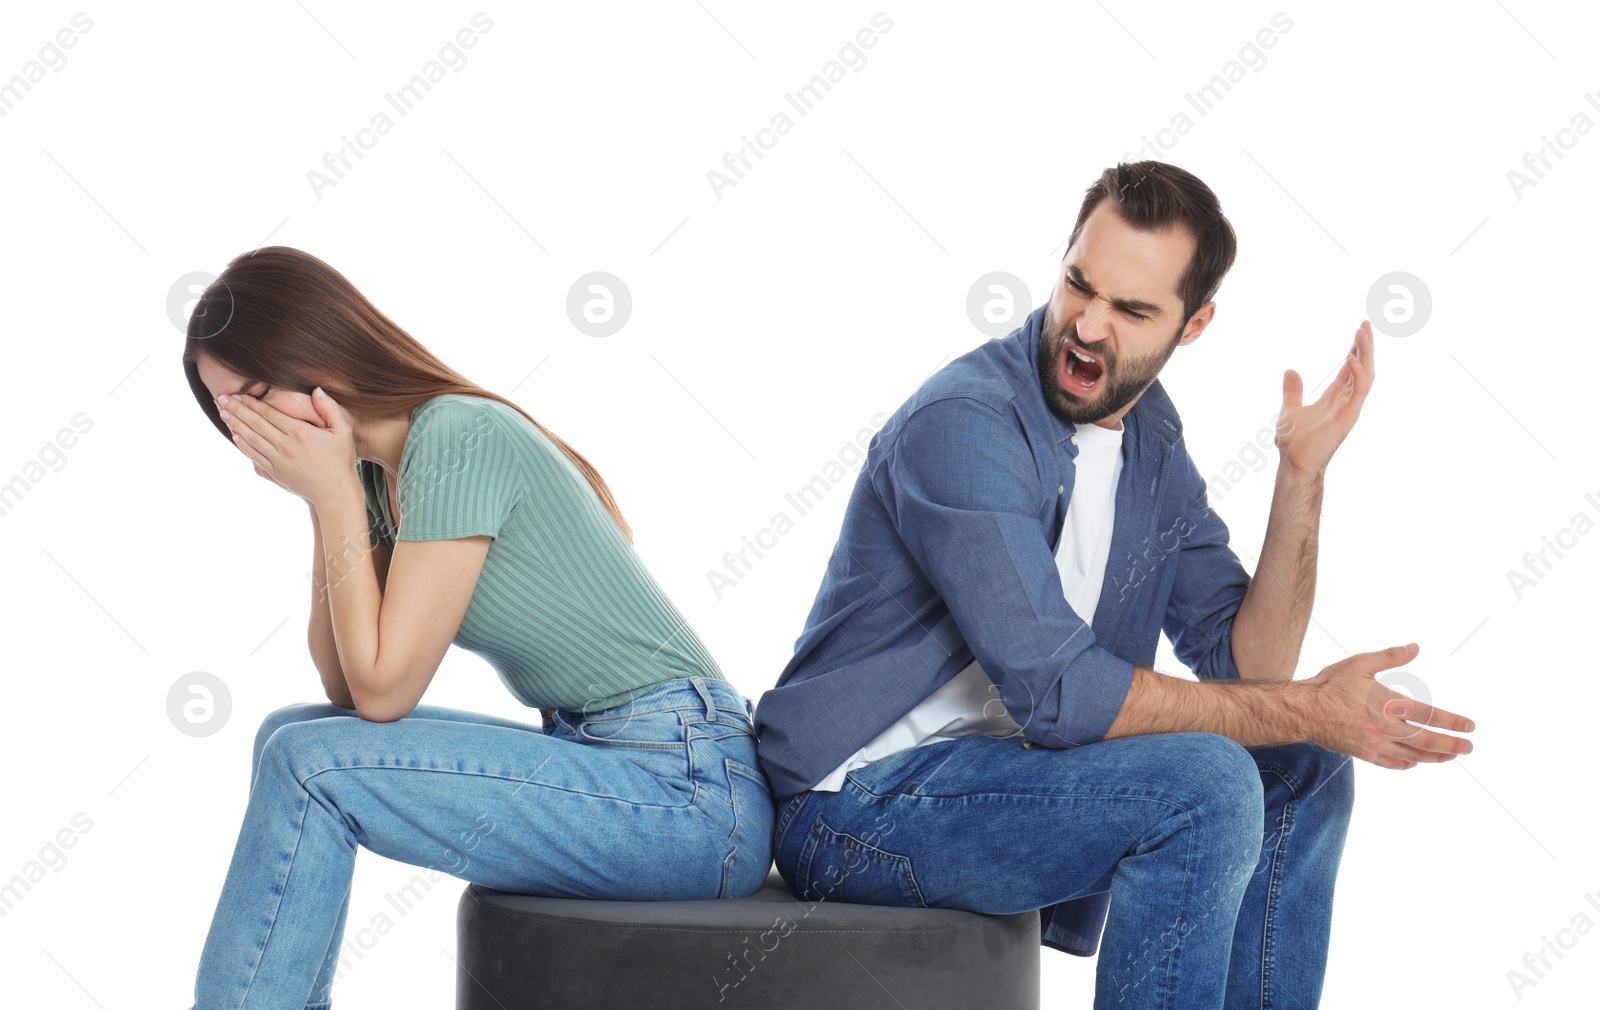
(1152, 196)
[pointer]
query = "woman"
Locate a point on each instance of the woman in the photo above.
(642, 782)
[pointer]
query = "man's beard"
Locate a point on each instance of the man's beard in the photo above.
(1120, 381)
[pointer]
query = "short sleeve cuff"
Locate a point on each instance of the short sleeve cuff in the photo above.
(448, 534)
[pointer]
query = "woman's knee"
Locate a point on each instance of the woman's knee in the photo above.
(275, 720)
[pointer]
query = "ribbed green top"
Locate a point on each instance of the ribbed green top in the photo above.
(564, 611)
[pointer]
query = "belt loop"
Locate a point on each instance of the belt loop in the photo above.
(705, 695)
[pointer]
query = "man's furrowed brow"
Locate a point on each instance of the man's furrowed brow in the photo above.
(1137, 306)
(1128, 304)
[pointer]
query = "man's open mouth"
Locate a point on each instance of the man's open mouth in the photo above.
(1080, 373)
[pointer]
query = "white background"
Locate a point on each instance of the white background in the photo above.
(768, 327)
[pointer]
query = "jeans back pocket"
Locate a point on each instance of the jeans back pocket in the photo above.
(839, 866)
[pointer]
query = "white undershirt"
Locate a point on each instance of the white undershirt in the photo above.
(969, 703)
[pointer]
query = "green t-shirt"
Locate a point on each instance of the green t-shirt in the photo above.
(564, 611)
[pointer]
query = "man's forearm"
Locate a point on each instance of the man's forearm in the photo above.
(1254, 714)
(1271, 623)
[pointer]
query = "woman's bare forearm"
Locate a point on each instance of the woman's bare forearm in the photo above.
(324, 650)
(1254, 713)
(354, 593)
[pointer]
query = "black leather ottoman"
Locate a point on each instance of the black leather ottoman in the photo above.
(771, 949)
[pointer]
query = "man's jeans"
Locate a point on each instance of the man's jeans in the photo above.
(657, 798)
(1220, 859)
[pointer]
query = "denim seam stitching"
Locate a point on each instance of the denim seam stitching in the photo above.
(621, 742)
(503, 778)
(966, 797)
(792, 806)
(300, 831)
(730, 768)
(1173, 966)
(808, 851)
(1274, 888)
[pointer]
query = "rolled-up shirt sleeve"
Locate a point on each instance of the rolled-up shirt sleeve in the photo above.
(962, 487)
(1209, 584)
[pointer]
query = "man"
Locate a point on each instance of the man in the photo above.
(970, 719)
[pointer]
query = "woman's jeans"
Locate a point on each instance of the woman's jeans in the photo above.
(1220, 859)
(657, 798)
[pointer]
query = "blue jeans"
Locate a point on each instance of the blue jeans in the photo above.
(658, 798)
(1220, 859)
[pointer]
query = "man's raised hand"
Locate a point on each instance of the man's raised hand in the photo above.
(1309, 433)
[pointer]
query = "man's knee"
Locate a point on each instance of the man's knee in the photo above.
(1215, 785)
(1218, 769)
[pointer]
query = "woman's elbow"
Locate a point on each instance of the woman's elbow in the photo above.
(386, 695)
(382, 709)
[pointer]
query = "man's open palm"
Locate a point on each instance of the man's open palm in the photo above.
(1308, 434)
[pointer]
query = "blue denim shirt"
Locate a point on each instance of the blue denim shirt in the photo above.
(947, 553)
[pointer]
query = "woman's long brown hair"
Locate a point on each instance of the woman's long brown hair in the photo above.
(284, 317)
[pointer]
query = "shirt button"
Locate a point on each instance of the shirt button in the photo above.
(1074, 440)
(1061, 489)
